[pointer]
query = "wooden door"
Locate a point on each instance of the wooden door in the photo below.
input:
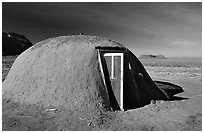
(114, 63)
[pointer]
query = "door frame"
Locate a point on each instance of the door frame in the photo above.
(122, 70)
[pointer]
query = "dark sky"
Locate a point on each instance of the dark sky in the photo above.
(171, 29)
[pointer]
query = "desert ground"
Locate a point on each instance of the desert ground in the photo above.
(183, 113)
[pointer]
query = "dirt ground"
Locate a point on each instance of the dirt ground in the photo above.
(182, 114)
(7, 62)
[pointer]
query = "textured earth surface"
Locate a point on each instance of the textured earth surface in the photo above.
(183, 113)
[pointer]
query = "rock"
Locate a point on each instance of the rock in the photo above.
(152, 57)
(14, 44)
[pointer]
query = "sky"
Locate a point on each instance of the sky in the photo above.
(171, 29)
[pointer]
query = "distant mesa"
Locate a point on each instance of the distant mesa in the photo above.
(14, 44)
(152, 57)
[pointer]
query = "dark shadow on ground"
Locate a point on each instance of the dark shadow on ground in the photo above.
(177, 98)
(170, 90)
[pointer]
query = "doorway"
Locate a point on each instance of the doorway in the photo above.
(115, 63)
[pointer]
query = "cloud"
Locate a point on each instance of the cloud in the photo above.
(183, 43)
